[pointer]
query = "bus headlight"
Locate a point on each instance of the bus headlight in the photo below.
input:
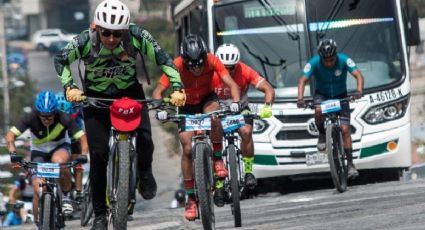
(259, 126)
(387, 112)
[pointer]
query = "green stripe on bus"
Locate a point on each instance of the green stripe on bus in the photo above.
(375, 150)
(265, 160)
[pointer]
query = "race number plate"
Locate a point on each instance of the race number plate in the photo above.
(330, 106)
(48, 170)
(232, 122)
(316, 158)
(194, 123)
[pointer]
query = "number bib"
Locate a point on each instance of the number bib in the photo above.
(330, 106)
(197, 123)
(48, 170)
(232, 122)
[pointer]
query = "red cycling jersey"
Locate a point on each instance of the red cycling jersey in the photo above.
(243, 76)
(197, 87)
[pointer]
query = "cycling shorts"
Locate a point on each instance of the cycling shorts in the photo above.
(196, 108)
(345, 115)
(43, 157)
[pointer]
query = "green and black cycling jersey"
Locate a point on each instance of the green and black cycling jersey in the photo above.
(111, 71)
(45, 139)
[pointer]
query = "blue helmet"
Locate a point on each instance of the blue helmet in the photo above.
(63, 105)
(46, 102)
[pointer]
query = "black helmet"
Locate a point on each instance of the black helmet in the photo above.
(193, 50)
(327, 48)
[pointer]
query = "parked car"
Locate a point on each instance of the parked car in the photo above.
(56, 47)
(42, 39)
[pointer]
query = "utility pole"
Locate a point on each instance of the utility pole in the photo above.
(6, 99)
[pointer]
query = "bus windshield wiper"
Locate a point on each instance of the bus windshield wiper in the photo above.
(265, 61)
(336, 7)
(266, 4)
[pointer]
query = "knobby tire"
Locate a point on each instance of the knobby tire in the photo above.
(204, 183)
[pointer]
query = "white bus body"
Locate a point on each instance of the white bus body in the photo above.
(278, 37)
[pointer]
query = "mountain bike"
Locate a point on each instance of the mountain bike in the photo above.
(235, 182)
(50, 202)
(122, 164)
(334, 142)
(202, 163)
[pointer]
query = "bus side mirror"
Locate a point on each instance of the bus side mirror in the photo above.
(411, 25)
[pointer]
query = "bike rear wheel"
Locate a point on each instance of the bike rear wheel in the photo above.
(336, 157)
(204, 184)
(118, 168)
(86, 205)
(234, 184)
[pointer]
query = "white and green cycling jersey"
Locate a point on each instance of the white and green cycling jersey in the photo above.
(109, 71)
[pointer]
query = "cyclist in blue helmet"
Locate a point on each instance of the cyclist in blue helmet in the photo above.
(76, 114)
(330, 69)
(49, 142)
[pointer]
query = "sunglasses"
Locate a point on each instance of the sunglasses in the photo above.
(46, 115)
(108, 33)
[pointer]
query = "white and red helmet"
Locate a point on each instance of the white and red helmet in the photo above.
(113, 15)
(228, 54)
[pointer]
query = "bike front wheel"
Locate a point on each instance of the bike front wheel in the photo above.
(204, 184)
(86, 205)
(119, 171)
(46, 211)
(336, 157)
(234, 184)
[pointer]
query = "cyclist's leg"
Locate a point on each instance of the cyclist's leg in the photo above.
(62, 155)
(37, 156)
(97, 124)
(346, 136)
(320, 120)
(78, 170)
(145, 148)
(247, 148)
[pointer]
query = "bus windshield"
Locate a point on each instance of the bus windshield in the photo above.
(272, 38)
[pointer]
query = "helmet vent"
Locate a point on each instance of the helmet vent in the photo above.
(121, 18)
(112, 19)
(104, 16)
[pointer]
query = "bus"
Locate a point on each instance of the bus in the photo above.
(278, 37)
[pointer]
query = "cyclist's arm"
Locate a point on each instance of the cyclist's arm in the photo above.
(17, 130)
(76, 49)
(301, 86)
(161, 87)
(360, 80)
(265, 87)
(84, 144)
(260, 83)
(147, 45)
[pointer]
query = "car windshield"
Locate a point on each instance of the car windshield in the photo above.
(272, 38)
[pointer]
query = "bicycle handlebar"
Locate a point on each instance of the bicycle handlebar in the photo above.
(106, 102)
(29, 164)
(312, 105)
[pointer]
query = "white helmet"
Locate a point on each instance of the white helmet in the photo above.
(228, 54)
(112, 14)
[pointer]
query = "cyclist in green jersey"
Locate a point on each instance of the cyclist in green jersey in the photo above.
(109, 50)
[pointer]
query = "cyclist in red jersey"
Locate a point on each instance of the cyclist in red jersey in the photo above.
(244, 76)
(196, 67)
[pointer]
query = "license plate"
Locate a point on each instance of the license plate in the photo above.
(316, 158)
